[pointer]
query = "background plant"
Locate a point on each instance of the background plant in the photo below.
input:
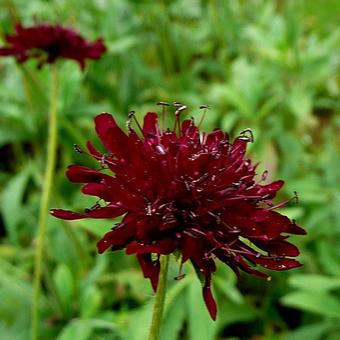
(269, 65)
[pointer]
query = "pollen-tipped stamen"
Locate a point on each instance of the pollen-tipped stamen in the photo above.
(178, 112)
(132, 115)
(204, 107)
(248, 135)
(164, 105)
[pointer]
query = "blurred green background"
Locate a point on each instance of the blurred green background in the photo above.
(272, 66)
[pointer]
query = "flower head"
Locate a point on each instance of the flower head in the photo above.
(188, 191)
(48, 42)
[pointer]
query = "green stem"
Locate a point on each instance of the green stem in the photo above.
(158, 307)
(45, 198)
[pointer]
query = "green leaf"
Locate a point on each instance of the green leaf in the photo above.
(90, 301)
(12, 203)
(320, 303)
(173, 319)
(139, 323)
(76, 330)
(310, 332)
(300, 102)
(314, 282)
(200, 325)
(64, 283)
(122, 45)
(327, 256)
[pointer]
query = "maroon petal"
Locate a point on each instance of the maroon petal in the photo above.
(163, 247)
(246, 267)
(295, 229)
(92, 150)
(188, 246)
(208, 297)
(113, 138)
(150, 268)
(117, 238)
(270, 189)
(274, 264)
(7, 51)
(279, 248)
(105, 212)
(99, 190)
(83, 174)
(215, 137)
(150, 126)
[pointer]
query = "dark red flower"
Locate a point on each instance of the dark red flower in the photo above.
(189, 191)
(48, 43)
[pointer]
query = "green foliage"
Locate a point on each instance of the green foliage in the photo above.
(269, 65)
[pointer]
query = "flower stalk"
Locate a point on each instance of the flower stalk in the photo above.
(158, 308)
(45, 199)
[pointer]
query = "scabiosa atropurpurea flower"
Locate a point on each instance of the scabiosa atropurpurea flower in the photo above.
(48, 42)
(184, 190)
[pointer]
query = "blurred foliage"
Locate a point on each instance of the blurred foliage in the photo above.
(269, 65)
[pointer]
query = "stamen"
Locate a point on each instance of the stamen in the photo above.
(204, 107)
(177, 114)
(180, 276)
(96, 206)
(249, 137)
(163, 104)
(177, 104)
(102, 159)
(77, 148)
(295, 198)
(131, 115)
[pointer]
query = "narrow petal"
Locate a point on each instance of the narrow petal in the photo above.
(92, 150)
(279, 248)
(99, 190)
(83, 174)
(113, 138)
(163, 247)
(117, 238)
(150, 268)
(208, 297)
(270, 189)
(274, 264)
(105, 212)
(150, 126)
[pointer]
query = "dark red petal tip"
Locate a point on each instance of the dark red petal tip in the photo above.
(65, 214)
(210, 302)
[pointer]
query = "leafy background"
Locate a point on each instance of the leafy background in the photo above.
(272, 66)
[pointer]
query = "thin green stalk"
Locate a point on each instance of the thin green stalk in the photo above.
(45, 198)
(158, 307)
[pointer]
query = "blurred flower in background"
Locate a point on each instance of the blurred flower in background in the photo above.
(47, 43)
